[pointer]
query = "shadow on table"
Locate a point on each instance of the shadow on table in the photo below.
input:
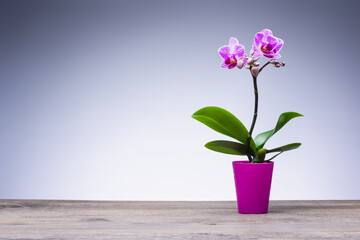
(301, 206)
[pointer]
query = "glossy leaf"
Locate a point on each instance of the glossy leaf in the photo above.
(285, 148)
(226, 123)
(285, 117)
(228, 147)
(261, 139)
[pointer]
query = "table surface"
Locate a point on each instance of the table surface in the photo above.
(57, 219)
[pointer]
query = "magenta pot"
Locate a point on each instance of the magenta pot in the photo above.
(253, 183)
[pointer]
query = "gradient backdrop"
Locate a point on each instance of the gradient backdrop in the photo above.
(96, 97)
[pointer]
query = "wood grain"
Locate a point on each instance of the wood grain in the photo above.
(53, 219)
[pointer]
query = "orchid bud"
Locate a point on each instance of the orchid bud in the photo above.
(250, 61)
(277, 65)
(262, 154)
(255, 71)
(256, 64)
(240, 64)
(282, 64)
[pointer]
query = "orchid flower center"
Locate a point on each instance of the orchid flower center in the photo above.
(232, 60)
(264, 49)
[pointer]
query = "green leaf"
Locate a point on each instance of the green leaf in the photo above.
(227, 147)
(285, 148)
(226, 123)
(223, 122)
(262, 138)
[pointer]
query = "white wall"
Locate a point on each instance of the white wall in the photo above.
(96, 98)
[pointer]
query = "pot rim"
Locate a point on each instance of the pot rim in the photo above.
(255, 164)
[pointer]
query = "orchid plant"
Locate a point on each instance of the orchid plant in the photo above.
(222, 121)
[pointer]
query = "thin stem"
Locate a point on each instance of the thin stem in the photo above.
(274, 156)
(254, 117)
(264, 66)
(247, 150)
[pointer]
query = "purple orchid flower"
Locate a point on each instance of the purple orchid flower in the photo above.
(265, 44)
(233, 54)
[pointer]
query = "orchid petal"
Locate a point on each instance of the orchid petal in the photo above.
(232, 65)
(256, 48)
(272, 55)
(258, 54)
(267, 32)
(271, 40)
(270, 46)
(223, 64)
(258, 39)
(276, 56)
(224, 51)
(241, 58)
(233, 41)
(269, 55)
(279, 46)
(239, 50)
(227, 61)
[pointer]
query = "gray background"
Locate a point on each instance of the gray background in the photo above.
(96, 97)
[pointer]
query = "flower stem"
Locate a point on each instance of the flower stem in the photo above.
(264, 66)
(254, 117)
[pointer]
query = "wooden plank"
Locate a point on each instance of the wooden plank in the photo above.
(53, 219)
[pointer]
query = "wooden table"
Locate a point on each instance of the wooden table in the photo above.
(52, 219)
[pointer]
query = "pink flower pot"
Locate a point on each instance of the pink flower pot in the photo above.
(253, 183)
